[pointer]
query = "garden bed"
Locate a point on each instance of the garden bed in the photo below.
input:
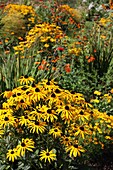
(56, 86)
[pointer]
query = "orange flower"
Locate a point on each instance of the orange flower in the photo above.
(20, 38)
(71, 20)
(7, 52)
(103, 6)
(67, 68)
(111, 4)
(37, 62)
(54, 68)
(41, 67)
(84, 38)
(78, 42)
(87, 57)
(55, 60)
(78, 25)
(111, 91)
(58, 36)
(91, 59)
(44, 62)
(78, 36)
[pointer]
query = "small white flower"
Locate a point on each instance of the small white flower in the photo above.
(91, 5)
(99, 8)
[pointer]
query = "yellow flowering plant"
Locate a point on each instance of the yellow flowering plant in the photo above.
(103, 101)
(16, 21)
(43, 36)
(44, 122)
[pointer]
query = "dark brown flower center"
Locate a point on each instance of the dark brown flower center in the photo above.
(37, 90)
(23, 144)
(7, 89)
(47, 154)
(25, 76)
(49, 111)
(57, 91)
(26, 117)
(67, 107)
(75, 145)
(55, 130)
(27, 92)
(6, 118)
(91, 112)
(81, 112)
(12, 152)
(66, 139)
(21, 101)
(72, 92)
(53, 95)
(82, 128)
(48, 83)
(24, 88)
(14, 95)
(18, 94)
(37, 123)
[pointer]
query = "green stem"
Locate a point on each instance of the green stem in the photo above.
(18, 67)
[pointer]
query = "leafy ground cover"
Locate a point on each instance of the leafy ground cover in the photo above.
(56, 86)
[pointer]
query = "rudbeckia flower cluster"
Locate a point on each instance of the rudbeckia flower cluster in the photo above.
(41, 35)
(42, 116)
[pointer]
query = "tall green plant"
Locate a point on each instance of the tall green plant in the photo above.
(98, 50)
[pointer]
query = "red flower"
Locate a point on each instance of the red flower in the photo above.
(2, 5)
(60, 49)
